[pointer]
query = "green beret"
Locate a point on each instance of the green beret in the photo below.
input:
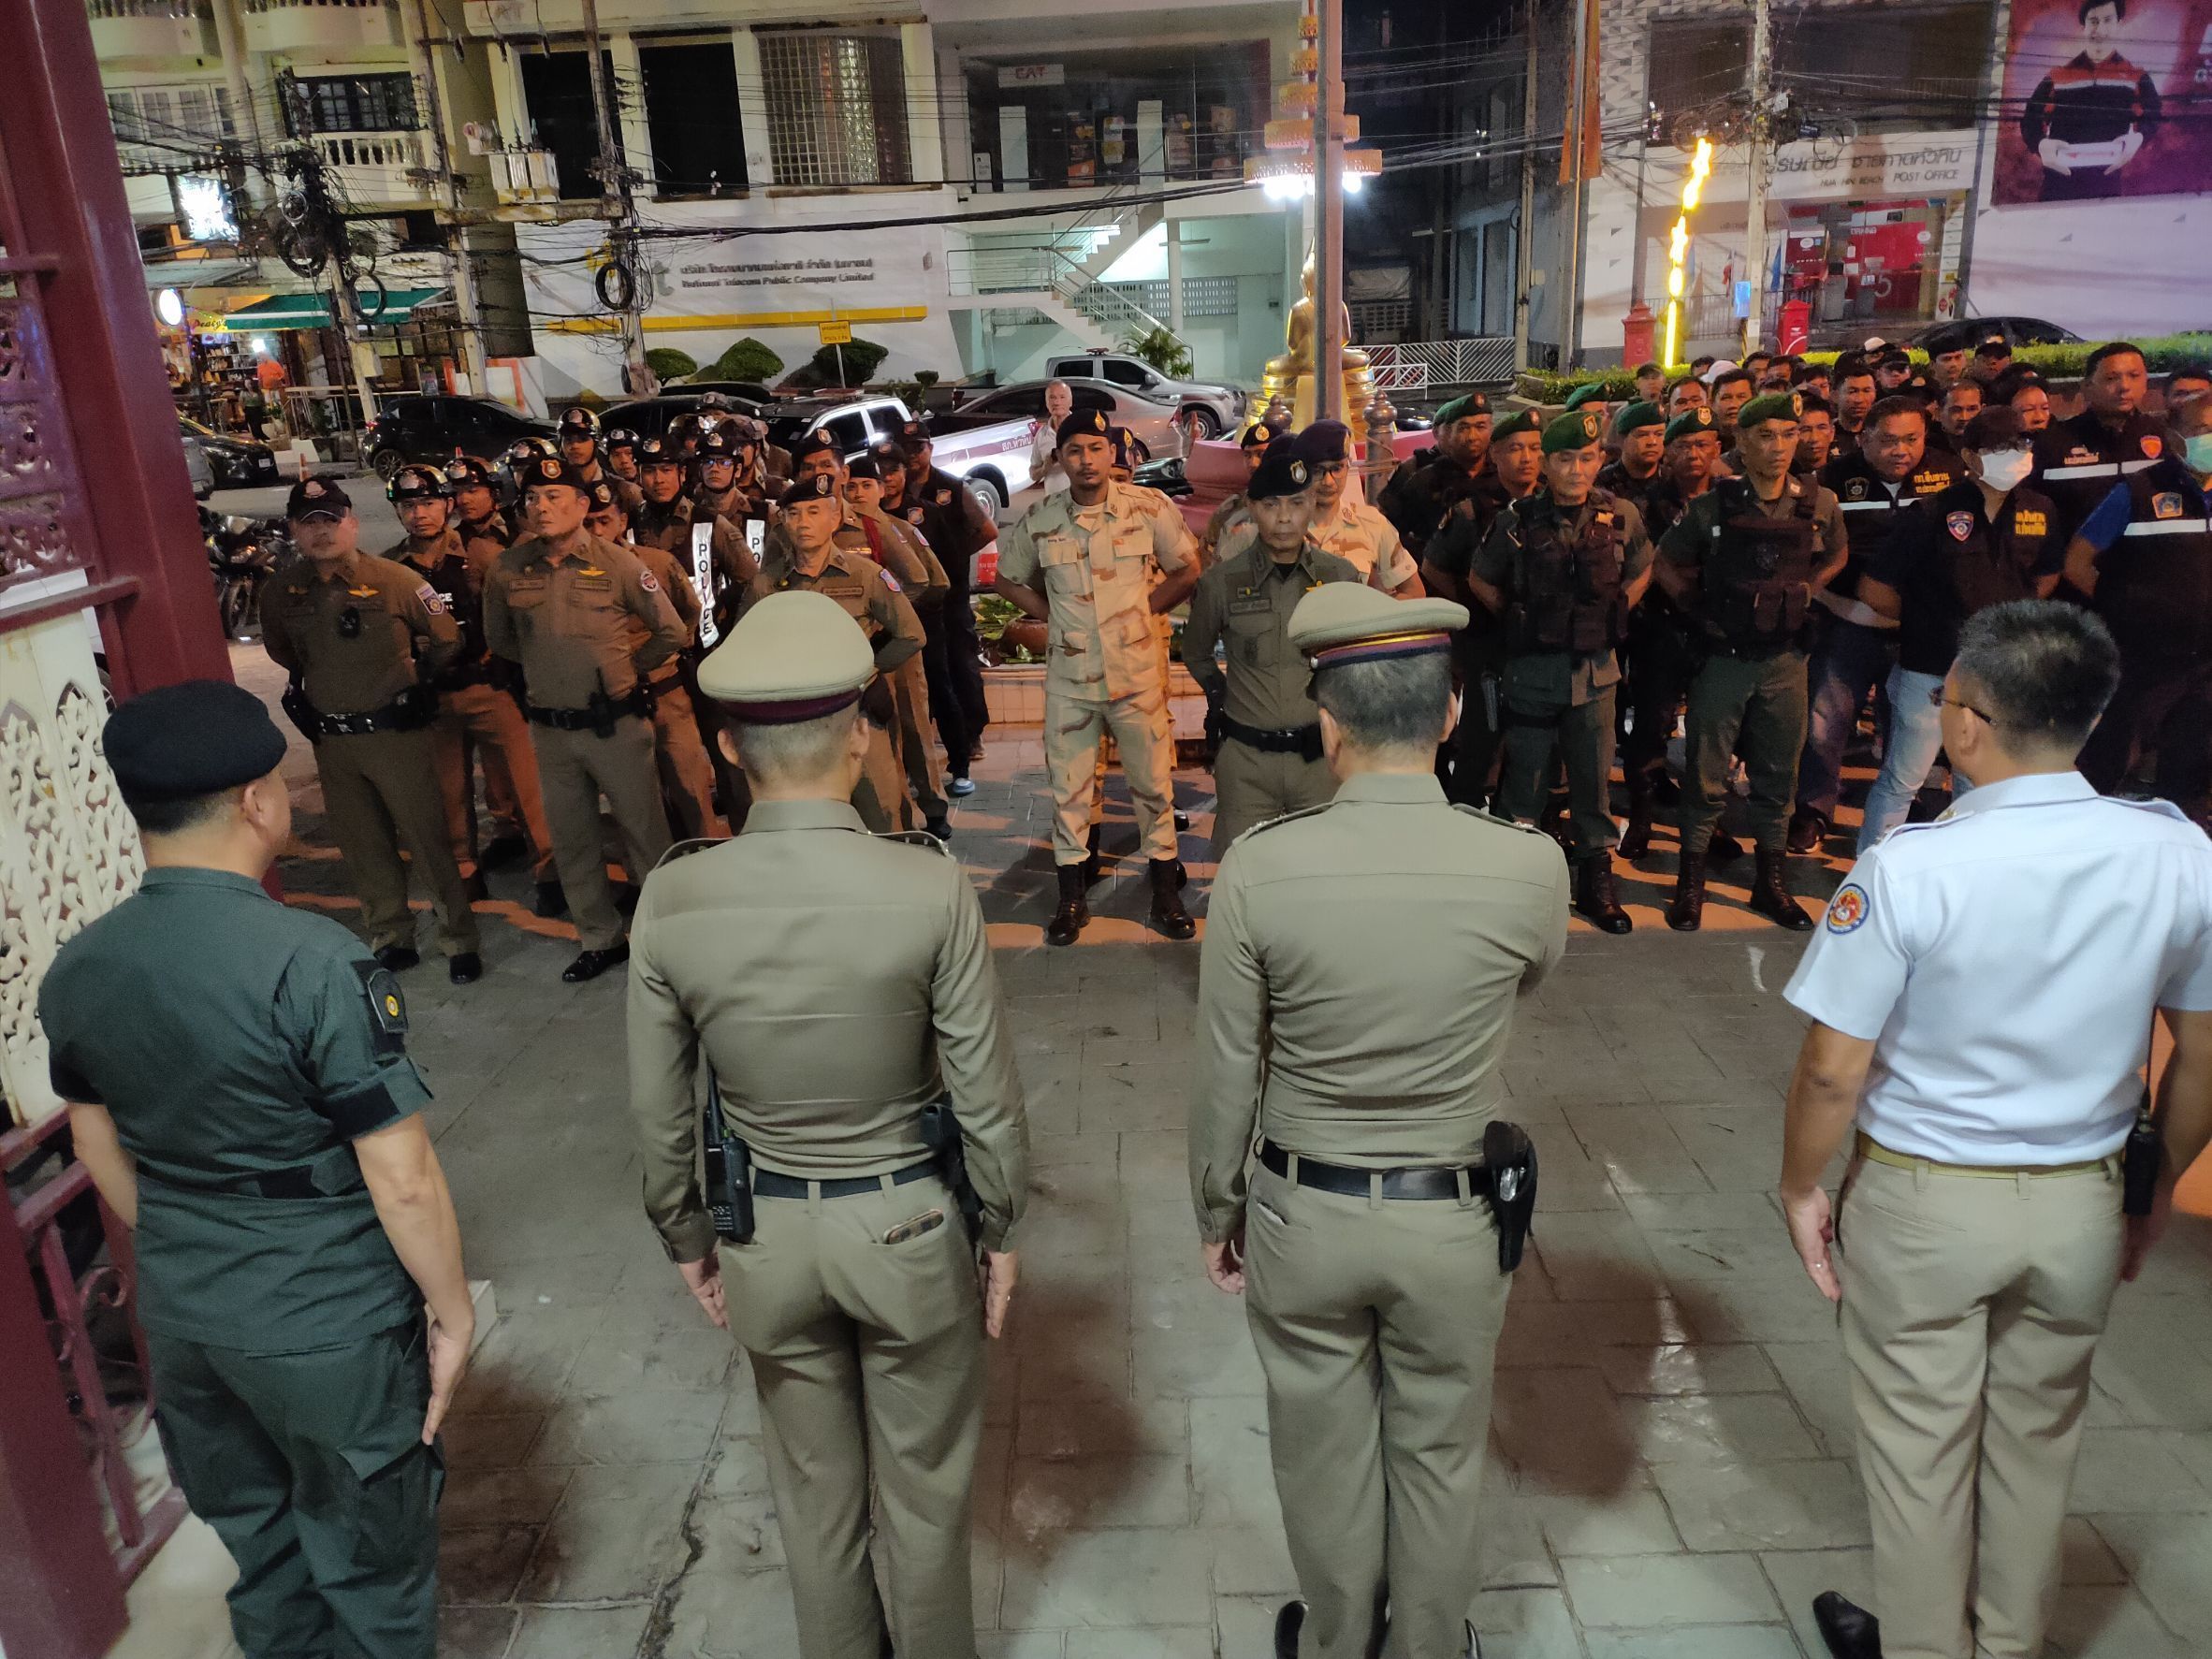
(1460, 408)
(1635, 415)
(1577, 429)
(1520, 420)
(1690, 422)
(1582, 394)
(1774, 406)
(197, 737)
(1343, 621)
(792, 656)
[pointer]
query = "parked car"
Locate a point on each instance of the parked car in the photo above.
(198, 466)
(429, 429)
(750, 391)
(236, 463)
(1214, 407)
(649, 417)
(1154, 423)
(2019, 330)
(988, 451)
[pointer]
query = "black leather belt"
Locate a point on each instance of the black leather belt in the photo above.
(639, 702)
(769, 1184)
(297, 1182)
(404, 714)
(1433, 1182)
(1297, 740)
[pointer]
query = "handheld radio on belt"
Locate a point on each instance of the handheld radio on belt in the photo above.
(728, 1173)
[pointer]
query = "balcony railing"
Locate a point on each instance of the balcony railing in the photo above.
(295, 25)
(390, 151)
(151, 28)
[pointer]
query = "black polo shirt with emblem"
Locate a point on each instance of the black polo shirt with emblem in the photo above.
(1952, 557)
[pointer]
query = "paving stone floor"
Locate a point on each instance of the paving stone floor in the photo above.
(1671, 1471)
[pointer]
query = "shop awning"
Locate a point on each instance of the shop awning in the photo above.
(313, 311)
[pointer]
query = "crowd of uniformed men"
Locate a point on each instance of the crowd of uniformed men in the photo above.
(1766, 544)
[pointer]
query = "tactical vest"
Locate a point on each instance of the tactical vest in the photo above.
(1756, 576)
(1568, 594)
(2154, 585)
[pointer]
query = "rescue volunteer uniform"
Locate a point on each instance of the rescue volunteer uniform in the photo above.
(2079, 460)
(2005, 961)
(834, 985)
(1355, 1024)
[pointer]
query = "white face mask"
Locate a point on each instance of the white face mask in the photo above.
(2006, 469)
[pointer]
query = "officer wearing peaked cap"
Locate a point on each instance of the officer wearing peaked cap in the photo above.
(1355, 1027)
(239, 1086)
(839, 991)
(1268, 761)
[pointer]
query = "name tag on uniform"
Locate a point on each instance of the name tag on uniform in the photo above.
(1245, 605)
(2030, 524)
(527, 587)
(594, 582)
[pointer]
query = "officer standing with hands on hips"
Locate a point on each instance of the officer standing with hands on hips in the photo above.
(239, 1086)
(1262, 704)
(1982, 993)
(869, 1140)
(364, 640)
(1355, 985)
(567, 605)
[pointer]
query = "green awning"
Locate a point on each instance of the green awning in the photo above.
(313, 311)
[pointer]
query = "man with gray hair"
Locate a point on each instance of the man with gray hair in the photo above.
(1982, 993)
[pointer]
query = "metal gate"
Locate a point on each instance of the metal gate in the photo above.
(1433, 365)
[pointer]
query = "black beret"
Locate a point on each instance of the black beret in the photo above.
(1084, 423)
(198, 737)
(820, 487)
(890, 455)
(1256, 437)
(817, 443)
(1324, 443)
(865, 466)
(551, 469)
(1284, 469)
(316, 498)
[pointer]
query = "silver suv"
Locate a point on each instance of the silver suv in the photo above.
(1214, 408)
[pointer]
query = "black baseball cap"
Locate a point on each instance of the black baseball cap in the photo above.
(316, 498)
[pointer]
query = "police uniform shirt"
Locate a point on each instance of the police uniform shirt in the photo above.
(683, 599)
(1358, 980)
(445, 565)
(1700, 522)
(562, 615)
(1873, 509)
(2002, 960)
(1244, 603)
(2156, 596)
(835, 983)
(1095, 566)
(869, 594)
(956, 525)
(1574, 677)
(1950, 558)
(352, 637)
(1353, 530)
(2078, 459)
(229, 1037)
(669, 527)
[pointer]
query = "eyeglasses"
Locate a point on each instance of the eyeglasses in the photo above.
(1937, 700)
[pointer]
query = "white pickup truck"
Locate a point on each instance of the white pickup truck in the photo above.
(990, 455)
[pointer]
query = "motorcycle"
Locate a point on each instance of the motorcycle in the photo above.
(242, 552)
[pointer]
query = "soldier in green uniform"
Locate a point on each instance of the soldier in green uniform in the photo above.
(804, 555)
(1742, 565)
(1419, 497)
(363, 640)
(1640, 430)
(567, 605)
(1355, 1027)
(1270, 757)
(239, 1086)
(1563, 568)
(838, 990)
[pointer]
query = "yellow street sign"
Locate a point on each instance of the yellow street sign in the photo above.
(835, 333)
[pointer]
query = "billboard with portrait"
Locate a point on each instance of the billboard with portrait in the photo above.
(2105, 98)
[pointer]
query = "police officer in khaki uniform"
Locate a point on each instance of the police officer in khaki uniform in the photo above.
(839, 991)
(484, 529)
(1095, 550)
(719, 555)
(1269, 757)
(726, 473)
(804, 555)
(1742, 565)
(579, 446)
(362, 639)
(1357, 1029)
(1344, 524)
(473, 707)
(1563, 568)
(559, 602)
(679, 752)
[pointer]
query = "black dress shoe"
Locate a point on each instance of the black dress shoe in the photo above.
(502, 850)
(592, 964)
(1806, 830)
(551, 902)
(1290, 1621)
(396, 958)
(465, 968)
(940, 827)
(473, 890)
(1850, 1630)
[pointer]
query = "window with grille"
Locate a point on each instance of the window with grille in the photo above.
(353, 104)
(837, 107)
(166, 128)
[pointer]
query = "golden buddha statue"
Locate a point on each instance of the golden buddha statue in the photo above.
(1291, 376)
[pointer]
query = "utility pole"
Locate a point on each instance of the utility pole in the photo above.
(622, 208)
(464, 273)
(1329, 312)
(1525, 224)
(1759, 154)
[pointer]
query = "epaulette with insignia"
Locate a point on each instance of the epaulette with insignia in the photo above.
(685, 849)
(913, 839)
(1286, 818)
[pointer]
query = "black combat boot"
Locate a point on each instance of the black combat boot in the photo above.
(1594, 896)
(1168, 914)
(1637, 839)
(1073, 914)
(1848, 1629)
(1770, 896)
(1685, 914)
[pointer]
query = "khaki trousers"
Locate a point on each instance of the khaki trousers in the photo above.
(1971, 1309)
(1073, 725)
(1377, 1321)
(686, 773)
(916, 738)
(880, 797)
(575, 768)
(868, 1359)
(380, 791)
(1251, 786)
(484, 716)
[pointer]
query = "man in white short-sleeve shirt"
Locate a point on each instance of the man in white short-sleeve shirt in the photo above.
(1982, 993)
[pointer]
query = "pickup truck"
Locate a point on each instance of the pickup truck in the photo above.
(987, 453)
(1210, 407)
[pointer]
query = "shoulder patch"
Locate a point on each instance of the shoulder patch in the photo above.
(433, 600)
(1960, 525)
(890, 582)
(1848, 910)
(647, 580)
(387, 1006)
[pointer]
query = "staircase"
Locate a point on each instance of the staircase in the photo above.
(1060, 278)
